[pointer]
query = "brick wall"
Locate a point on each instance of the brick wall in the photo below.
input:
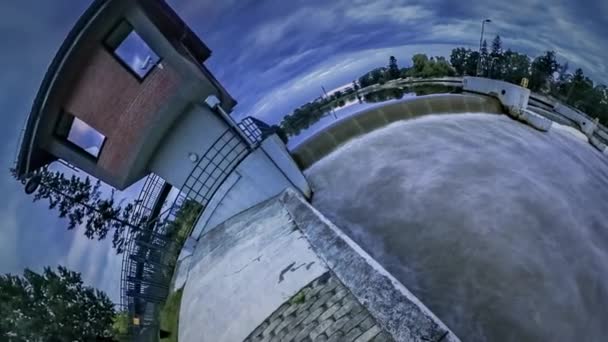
(325, 310)
(113, 101)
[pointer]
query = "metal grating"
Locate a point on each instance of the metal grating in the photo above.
(147, 268)
(148, 197)
(213, 168)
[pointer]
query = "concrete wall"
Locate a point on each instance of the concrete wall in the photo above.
(277, 151)
(196, 130)
(242, 272)
(263, 275)
(329, 139)
(513, 97)
(256, 179)
(586, 124)
(394, 307)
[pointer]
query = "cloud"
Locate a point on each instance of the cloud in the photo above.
(98, 263)
(334, 72)
(274, 31)
(386, 10)
(9, 236)
(272, 56)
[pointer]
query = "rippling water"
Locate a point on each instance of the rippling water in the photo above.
(499, 229)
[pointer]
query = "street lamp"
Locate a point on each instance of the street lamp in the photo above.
(483, 25)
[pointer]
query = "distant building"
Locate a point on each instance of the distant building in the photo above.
(125, 96)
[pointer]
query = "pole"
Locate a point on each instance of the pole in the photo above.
(332, 111)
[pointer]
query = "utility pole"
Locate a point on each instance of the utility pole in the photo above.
(332, 110)
(483, 24)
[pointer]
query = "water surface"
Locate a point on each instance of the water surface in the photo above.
(499, 229)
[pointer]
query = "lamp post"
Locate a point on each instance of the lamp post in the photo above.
(483, 25)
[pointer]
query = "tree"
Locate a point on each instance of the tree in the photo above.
(80, 202)
(442, 67)
(483, 62)
(470, 66)
(543, 68)
(434, 67)
(372, 77)
(496, 62)
(356, 86)
(419, 61)
(53, 306)
(517, 66)
(458, 59)
(393, 68)
(120, 326)
(496, 47)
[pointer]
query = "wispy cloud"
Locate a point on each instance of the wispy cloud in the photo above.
(272, 56)
(381, 11)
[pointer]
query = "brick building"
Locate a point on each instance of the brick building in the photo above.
(128, 94)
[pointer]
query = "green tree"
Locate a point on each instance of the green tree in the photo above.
(517, 66)
(458, 59)
(81, 203)
(372, 77)
(496, 47)
(419, 61)
(393, 68)
(543, 68)
(120, 326)
(356, 86)
(470, 66)
(404, 72)
(496, 62)
(442, 67)
(53, 306)
(484, 61)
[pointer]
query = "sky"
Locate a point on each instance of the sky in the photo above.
(272, 56)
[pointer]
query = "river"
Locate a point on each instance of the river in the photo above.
(501, 230)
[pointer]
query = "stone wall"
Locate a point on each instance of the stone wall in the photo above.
(325, 310)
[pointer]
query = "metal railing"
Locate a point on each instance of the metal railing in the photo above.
(151, 252)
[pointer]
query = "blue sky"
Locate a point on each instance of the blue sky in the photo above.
(272, 56)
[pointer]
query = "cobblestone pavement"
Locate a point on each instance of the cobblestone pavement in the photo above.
(324, 310)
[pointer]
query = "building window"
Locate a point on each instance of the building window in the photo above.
(131, 50)
(80, 134)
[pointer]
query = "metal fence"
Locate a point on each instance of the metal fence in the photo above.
(151, 251)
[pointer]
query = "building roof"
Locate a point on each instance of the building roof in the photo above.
(160, 13)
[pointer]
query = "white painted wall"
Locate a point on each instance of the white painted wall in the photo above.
(255, 180)
(242, 272)
(277, 151)
(194, 132)
(586, 125)
(514, 97)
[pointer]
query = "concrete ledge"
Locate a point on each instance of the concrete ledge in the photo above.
(330, 138)
(242, 271)
(395, 308)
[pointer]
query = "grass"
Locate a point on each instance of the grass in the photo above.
(169, 315)
(299, 298)
(179, 231)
